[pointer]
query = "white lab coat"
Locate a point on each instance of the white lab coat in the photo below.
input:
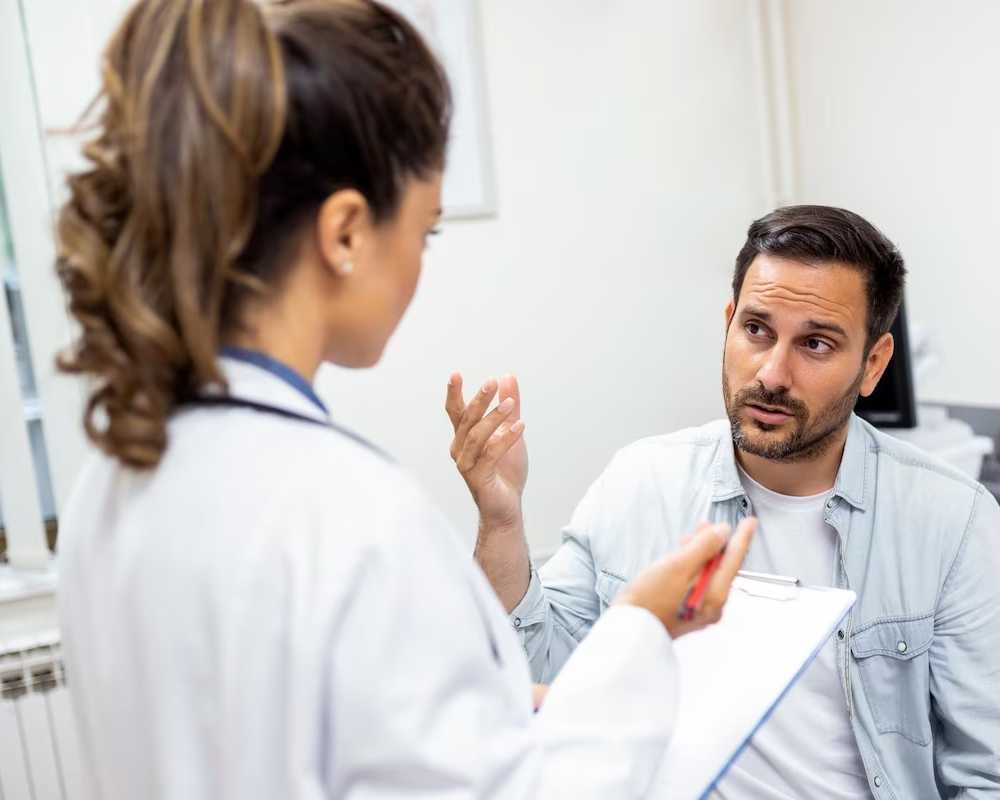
(277, 611)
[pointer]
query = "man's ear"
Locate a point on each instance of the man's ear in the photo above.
(876, 363)
(730, 311)
(342, 228)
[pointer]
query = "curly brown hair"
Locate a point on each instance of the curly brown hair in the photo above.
(221, 127)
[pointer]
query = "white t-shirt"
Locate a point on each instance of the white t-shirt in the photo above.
(807, 747)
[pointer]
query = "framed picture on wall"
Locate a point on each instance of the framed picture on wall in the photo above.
(452, 27)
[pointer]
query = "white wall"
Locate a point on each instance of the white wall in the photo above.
(627, 147)
(629, 160)
(627, 156)
(898, 118)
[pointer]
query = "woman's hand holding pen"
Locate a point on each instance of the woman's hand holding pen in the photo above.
(663, 587)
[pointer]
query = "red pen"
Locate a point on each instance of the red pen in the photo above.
(696, 593)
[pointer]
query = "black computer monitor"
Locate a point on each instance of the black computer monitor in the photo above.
(892, 404)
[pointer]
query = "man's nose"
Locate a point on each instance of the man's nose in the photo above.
(775, 373)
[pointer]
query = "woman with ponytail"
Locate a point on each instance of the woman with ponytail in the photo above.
(255, 602)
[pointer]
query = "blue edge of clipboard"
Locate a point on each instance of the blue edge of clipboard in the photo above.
(774, 705)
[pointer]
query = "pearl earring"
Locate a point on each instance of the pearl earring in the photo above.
(347, 268)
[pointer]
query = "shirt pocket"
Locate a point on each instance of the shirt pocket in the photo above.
(607, 588)
(892, 658)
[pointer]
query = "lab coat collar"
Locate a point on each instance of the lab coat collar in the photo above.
(248, 381)
(251, 382)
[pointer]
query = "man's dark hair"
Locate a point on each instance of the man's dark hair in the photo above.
(824, 234)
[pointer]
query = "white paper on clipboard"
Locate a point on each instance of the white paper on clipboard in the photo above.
(732, 675)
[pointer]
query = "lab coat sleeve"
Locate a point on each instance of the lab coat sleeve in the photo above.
(419, 707)
(607, 719)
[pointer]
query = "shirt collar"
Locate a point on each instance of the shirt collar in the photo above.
(725, 478)
(851, 477)
(850, 484)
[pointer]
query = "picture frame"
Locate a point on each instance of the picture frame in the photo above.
(453, 30)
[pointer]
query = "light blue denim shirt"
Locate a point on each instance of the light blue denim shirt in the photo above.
(919, 655)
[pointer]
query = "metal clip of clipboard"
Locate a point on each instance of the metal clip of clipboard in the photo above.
(762, 584)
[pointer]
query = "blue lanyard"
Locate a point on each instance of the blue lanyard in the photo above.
(279, 370)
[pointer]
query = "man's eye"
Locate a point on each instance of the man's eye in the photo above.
(754, 328)
(818, 346)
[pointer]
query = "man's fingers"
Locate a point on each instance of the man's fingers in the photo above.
(479, 435)
(499, 444)
(454, 403)
(473, 413)
(509, 388)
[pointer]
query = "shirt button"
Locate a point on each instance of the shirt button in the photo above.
(744, 503)
(901, 646)
(517, 622)
(840, 634)
(877, 781)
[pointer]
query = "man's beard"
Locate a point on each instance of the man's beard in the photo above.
(807, 440)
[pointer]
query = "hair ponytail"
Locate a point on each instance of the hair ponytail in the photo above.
(223, 124)
(193, 106)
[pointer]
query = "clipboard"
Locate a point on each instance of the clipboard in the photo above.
(732, 675)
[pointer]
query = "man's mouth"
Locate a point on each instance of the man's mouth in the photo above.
(769, 415)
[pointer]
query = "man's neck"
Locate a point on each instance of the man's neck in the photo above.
(797, 478)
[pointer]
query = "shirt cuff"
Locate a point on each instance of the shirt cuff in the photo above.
(531, 609)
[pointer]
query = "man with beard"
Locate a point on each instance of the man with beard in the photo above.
(904, 701)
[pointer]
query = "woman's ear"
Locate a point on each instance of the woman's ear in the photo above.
(342, 229)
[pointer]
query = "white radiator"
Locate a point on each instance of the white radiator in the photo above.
(39, 756)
